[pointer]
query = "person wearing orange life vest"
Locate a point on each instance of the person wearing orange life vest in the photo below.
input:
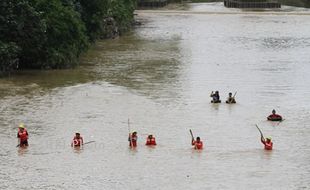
(197, 143)
(133, 139)
(274, 116)
(268, 144)
(150, 140)
(77, 140)
(22, 134)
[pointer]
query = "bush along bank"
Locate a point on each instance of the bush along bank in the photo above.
(52, 34)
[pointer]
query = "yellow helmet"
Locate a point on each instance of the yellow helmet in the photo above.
(268, 138)
(21, 125)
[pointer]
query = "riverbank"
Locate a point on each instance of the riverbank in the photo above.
(52, 34)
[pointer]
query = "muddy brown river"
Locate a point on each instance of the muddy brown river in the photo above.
(160, 76)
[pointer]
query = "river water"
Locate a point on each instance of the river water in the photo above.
(160, 76)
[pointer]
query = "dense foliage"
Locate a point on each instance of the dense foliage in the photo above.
(45, 34)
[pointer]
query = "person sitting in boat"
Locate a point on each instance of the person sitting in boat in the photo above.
(77, 140)
(133, 139)
(197, 143)
(150, 140)
(230, 99)
(215, 97)
(274, 116)
(268, 144)
(22, 134)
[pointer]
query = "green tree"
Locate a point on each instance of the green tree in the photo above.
(21, 25)
(93, 13)
(65, 33)
(53, 33)
(8, 57)
(122, 12)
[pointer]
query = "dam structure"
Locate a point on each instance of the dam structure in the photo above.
(252, 4)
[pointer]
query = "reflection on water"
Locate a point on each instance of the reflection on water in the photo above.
(22, 151)
(139, 64)
(160, 76)
(78, 150)
(284, 42)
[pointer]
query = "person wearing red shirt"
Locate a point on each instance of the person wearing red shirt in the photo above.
(274, 116)
(197, 143)
(268, 144)
(77, 140)
(22, 134)
(133, 139)
(150, 140)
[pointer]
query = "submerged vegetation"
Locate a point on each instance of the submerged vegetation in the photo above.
(44, 34)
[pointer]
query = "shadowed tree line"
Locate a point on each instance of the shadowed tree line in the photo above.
(52, 34)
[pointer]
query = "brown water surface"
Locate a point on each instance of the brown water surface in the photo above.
(160, 76)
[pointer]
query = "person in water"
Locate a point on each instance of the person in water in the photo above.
(215, 97)
(133, 139)
(230, 99)
(197, 143)
(274, 116)
(77, 140)
(22, 134)
(268, 144)
(150, 140)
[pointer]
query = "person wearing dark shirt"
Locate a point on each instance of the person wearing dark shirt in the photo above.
(230, 99)
(215, 97)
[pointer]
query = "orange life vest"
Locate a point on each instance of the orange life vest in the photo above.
(133, 140)
(274, 117)
(268, 146)
(77, 141)
(22, 135)
(150, 141)
(197, 145)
